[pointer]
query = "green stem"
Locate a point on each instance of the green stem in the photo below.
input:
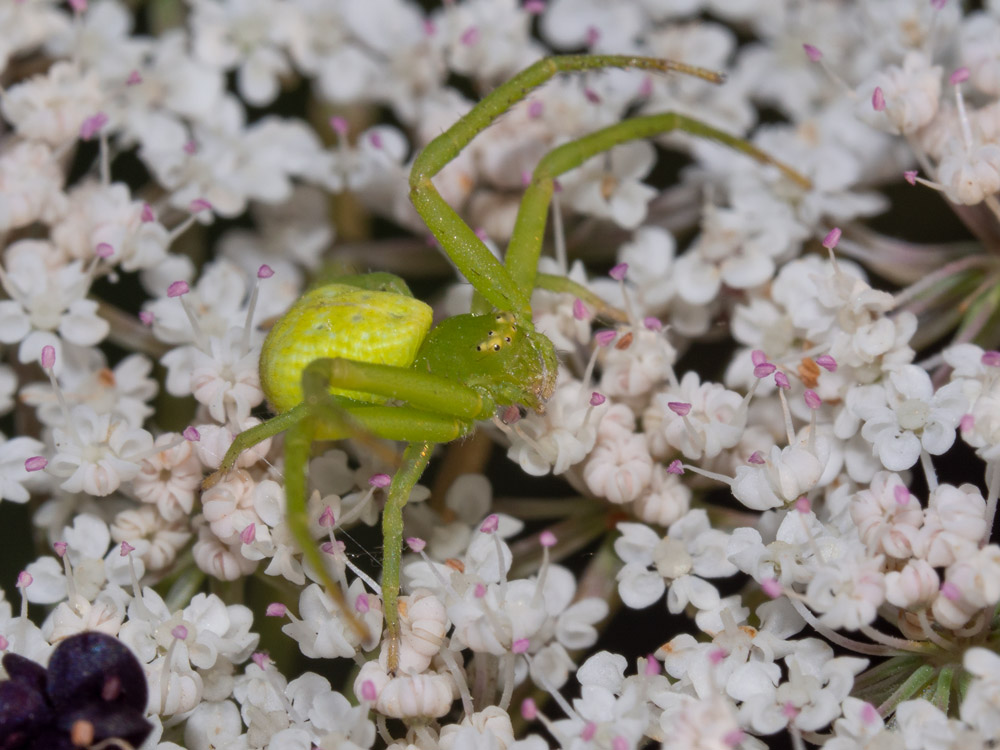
(913, 685)
(184, 586)
(888, 670)
(942, 690)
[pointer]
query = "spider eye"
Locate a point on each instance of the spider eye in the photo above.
(479, 347)
(507, 339)
(489, 333)
(496, 347)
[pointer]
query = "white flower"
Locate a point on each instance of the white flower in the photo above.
(226, 379)
(15, 480)
(174, 85)
(106, 214)
(245, 34)
(366, 166)
(396, 55)
(978, 52)
(429, 694)
(320, 717)
(904, 415)
(290, 235)
(229, 505)
(47, 303)
(101, 40)
(901, 26)
(613, 705)
(910, 95)
(212, 631)
(970, 174)
(105, 614)
(216, 439)
(667, 498)
(916, 585)
(26, 26)
(22, 635)
(619, 468)
(86, 379)
(690, 551)
(738, 246)
(954, 524)
(218, 300)
(848, 313)
(231, 162)
(225, 562)
(887, 517)
(977, 578)
(650, 256)
(51, 107)
(635, 370)
(566, 24)
(467, 503)
(489, 40)
(848, 591)
(608, 186)
(564, 435)
(156, 541)
(324, 633)
(715, 422)
(786, 474)
(87, 542)
(924, 726)
(483, 730)
(811, 697)
(555, 314)
(981, 707)
(30, 184)
(95, 454)
(705, 722)
(638, 586)
(212, 725)
(169, 479)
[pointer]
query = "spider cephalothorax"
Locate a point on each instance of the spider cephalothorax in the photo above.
(496, 354)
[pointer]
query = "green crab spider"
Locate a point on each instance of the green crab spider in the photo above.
(330, 366)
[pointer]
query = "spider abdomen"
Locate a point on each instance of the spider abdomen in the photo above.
(340, 320)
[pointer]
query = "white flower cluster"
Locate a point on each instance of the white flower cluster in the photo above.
(164, 196)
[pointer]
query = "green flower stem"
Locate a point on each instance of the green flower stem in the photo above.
(913, 685)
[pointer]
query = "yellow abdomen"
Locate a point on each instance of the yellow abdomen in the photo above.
(338, 320)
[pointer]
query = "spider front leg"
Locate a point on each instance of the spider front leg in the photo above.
(489, 277)
(437, 410)
(415, 460)
(441, 410)
(529, 228)
(298, 450)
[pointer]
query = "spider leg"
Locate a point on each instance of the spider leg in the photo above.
(437, 410)
(554, 283)
(298, 448)
(414, 462)
(529, 228)
(250, 437)
(489, 277)
(421, 390)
